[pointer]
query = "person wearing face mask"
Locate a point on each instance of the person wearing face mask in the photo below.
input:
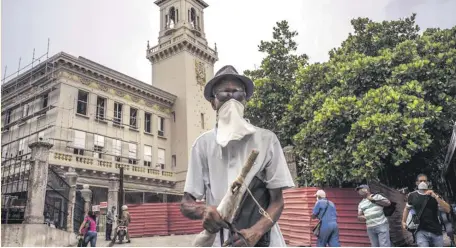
(426, 205)
(217, 157)
(370, 210)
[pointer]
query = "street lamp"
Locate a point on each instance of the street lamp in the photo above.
(121, 189)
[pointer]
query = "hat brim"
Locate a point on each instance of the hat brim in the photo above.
(248, 83)
(358, 188)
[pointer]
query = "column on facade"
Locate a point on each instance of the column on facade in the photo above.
(71, 178)
(86, 194)
(291, 161)
(37, 182)
(113, 193)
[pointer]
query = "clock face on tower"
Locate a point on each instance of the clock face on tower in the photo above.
(200, 72)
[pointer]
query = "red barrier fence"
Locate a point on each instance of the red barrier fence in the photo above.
(153, 219)
(296, 223)
(158, 219)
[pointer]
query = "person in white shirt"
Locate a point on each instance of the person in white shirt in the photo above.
(218, 155)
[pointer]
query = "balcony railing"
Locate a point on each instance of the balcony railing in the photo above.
(90, 163)
(177, 39)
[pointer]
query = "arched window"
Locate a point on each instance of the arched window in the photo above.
(192, 17)
(172, 17)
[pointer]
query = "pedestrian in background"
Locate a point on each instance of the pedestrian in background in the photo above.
(426, 204)
(89, 229)
(325, 211)
(370, 210)
(109, 221)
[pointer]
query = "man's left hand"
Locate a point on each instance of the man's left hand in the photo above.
(252, 236)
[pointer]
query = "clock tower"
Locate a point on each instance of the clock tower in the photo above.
(182, 63)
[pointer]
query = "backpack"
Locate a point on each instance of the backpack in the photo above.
(388, 211)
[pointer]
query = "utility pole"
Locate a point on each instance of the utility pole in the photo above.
(121, 190)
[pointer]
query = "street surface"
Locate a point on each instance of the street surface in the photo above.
(166, 241)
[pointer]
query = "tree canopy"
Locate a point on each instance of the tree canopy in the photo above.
(383, 105)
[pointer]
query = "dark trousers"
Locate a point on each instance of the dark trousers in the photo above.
(108, 231)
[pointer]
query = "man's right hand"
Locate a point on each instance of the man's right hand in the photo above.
(404, 225)
(212, 221)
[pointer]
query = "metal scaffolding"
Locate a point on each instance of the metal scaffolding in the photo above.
(32, 109)
(25, 97)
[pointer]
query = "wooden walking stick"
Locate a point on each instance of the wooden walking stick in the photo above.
(229, 203)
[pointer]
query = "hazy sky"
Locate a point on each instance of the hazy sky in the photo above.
(115, 32)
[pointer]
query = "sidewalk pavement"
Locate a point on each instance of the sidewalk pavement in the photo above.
(157, 241)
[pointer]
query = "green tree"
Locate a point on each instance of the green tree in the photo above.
(274, 80)
(382, 106)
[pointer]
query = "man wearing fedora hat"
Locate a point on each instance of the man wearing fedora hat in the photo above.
(217, 157)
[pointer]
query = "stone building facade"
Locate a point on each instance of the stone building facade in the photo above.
(99, 119)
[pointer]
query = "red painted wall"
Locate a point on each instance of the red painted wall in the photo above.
(158, 219)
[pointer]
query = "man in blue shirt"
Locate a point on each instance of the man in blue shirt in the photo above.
(325, 211)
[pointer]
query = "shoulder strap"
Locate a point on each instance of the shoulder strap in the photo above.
(422, 208)
(324, 212)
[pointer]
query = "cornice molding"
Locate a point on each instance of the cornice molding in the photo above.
(200, 2)
(109, 76)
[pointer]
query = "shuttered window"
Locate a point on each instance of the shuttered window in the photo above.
(147, 155)
(132, 151)
(117, 147)
(99, 140)
(161, 158)
(79, 139)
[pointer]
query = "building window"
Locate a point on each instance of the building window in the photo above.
(132, 153)
(45, 101)
(8, 117)
(83, 98)
(78, 151)
(161, 126)
(101, 108)
(21, 147)
(174, 116)
(97, 151)
(117, 113)
(117, 149)
(147, 122)
(161, 158)
(202, 120)
(25, 110)
(98, 146)
(192, 18)
(79, 142)
(173, 162)
(133, 114)
(147, 156)
(4, 153)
